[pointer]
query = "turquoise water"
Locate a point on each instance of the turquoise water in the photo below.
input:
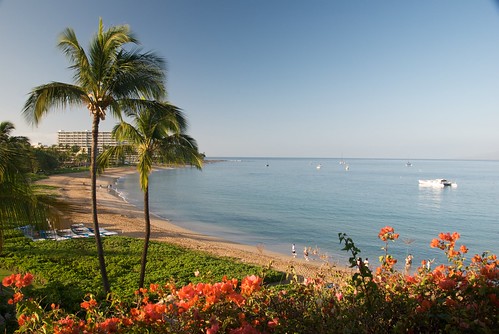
(277, 202)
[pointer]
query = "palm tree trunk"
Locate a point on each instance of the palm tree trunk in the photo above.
(146, 238)
(93, 172)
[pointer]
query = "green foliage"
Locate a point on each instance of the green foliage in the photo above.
(67, 270)
(453, 298)
(46, 161)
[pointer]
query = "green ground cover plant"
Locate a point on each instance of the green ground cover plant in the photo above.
(458, 297)
(67, 270)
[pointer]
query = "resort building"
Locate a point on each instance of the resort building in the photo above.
(67, 140)
(83, 139)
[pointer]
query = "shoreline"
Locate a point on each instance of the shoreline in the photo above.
(116, 214)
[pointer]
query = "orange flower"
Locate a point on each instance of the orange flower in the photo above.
(411, 279)
(109, 325)
(250, 284)
(89, 304)
(435, 243)
(463, 249)
(8, 280)
(154, 312)
(17, 297)
(27, 279)
(387, 233)
(68, 326)
(23, 318)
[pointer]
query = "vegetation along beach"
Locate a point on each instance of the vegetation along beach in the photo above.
(131, 227)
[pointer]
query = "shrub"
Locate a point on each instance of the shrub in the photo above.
(453, 298)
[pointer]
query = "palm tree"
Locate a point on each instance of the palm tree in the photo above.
(19, 201)
(105, 76)
(15, 191)
(158, 135)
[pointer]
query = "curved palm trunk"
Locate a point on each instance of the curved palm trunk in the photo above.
(146, 238)
(93, 172)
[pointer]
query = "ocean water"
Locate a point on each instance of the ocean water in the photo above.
(273, 203)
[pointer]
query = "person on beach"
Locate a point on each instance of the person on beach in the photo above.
(408, 263)
(429, 263)
(366, 262)
(359, 263)
(293, 250)
(305, 253)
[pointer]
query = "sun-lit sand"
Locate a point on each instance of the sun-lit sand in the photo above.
(117, 215)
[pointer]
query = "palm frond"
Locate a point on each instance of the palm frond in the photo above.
(68, 43)
(180, 149)
(52, 95)
(139, 75)
(104, 158)
(126, 132)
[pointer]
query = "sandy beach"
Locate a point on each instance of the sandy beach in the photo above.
(117, 215)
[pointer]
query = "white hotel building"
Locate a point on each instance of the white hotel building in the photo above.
(83, 139)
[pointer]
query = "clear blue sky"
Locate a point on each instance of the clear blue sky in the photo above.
(286, 78)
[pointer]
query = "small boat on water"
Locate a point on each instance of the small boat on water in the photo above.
(437, 183)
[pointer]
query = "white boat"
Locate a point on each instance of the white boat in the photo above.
(437, 183)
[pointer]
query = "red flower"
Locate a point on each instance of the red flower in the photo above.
(493, 298)
(109, 325)
(447, 284)
(245, 329)
(213, 329)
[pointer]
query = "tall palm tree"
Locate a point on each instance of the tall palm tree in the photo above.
(158, 135)
(103, 77)
(20, 204)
